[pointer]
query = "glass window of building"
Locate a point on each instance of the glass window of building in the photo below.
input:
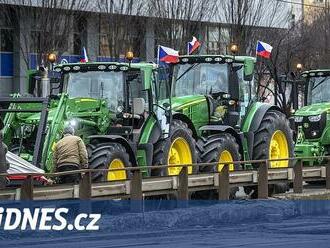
(6, 38)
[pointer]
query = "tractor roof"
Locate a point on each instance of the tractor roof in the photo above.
(214, 59)
(316, 73)
(102, 66)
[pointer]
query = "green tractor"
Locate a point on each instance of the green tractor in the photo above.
(121, 111)
(216, 97)
(312, 121)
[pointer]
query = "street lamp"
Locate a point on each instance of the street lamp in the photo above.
(52, 57)
(234, 48)
(299, 67)
(129, 56)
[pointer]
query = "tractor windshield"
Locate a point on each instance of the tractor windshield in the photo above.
(98, 85)
(318, 90)
(199, 79)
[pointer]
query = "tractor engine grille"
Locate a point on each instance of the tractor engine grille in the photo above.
(314, 130)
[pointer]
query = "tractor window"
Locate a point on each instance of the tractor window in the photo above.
(317, 92)
(200, 79)
(160, 84)
(245, 87)
(96, 84)
(136, 87)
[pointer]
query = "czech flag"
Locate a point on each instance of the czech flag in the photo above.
(264, 50)
(193, 45)
(84, 57)
(167, 55)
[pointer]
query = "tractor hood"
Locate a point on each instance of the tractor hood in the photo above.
(179, 103)
(78, 106)
(314, 109)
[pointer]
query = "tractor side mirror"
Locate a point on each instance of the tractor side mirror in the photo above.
(248, 69)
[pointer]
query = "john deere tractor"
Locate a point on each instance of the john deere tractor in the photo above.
(115, 108)
(313, 120)
(215, 95)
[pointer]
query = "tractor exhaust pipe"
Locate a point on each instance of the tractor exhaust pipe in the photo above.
(45, 82)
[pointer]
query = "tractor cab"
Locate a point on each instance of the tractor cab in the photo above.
(225, 81)
(119, 89)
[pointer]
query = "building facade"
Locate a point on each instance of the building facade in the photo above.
(105, 39)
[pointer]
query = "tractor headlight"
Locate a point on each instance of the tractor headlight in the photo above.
(298, 119)
(314, 118)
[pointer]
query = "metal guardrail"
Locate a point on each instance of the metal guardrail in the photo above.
(137, 187)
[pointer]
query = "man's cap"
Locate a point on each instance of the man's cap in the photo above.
(68, 130)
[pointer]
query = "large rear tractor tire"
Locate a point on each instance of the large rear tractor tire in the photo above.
(108, 156)
(273, 140)
(178, 149)
(218, 149)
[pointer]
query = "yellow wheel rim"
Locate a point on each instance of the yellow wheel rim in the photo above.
(179, 154)
(278, 149)
(225, 157)
(116, 175)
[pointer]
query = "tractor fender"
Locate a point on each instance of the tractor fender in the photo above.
(258, 116)
(215, 129)
(94, 139)
(185, 119)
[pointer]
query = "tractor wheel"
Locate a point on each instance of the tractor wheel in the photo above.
(219, 148)
(178, 149)
(273, 140)
(108, 156)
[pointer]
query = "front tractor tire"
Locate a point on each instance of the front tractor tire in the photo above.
(217, 149)
(274, 140)
(178, 149)
(108, 156)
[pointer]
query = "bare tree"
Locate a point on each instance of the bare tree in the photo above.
(121, 26)
(247, 19)
(178, 21)
(51, 21)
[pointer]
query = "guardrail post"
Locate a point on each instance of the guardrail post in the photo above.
(85, 186)
(223, 191)
(136, 191)
(136, 186)
(183, 193)
(27, 189)
(298, 177)
(263, 180)
(327, 179)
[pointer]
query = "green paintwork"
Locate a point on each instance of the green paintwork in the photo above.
(147, 129)
(314, 109)
(250, 115)
(194, 107)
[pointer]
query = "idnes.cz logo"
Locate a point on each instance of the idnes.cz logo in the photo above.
(46, 219)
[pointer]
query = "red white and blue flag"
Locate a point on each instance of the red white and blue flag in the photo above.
(84, 57)
(193, 45)
(167, 55)
(264, 50)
